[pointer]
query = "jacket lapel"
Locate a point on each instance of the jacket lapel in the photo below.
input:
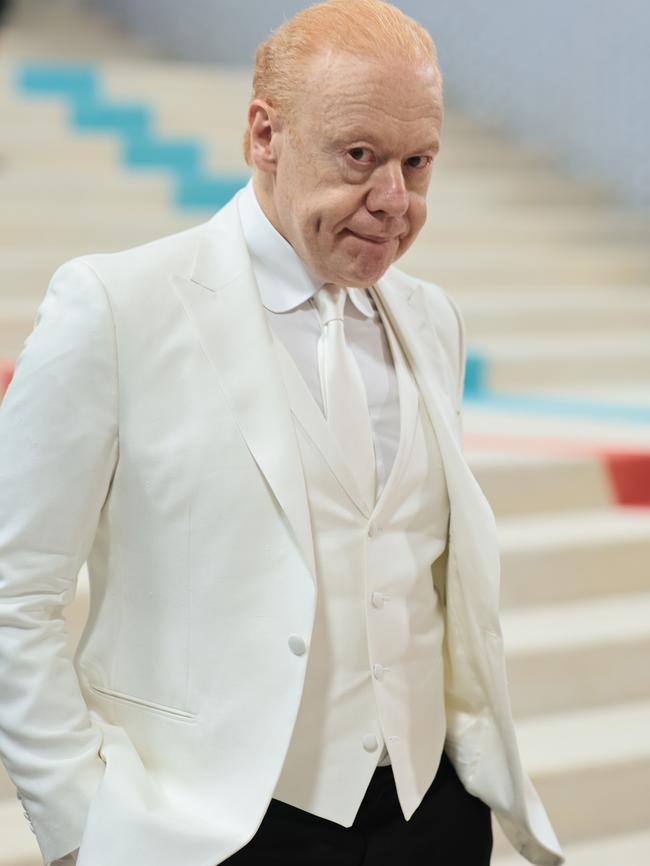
(308, 414)
(473, 537)
(221, 298)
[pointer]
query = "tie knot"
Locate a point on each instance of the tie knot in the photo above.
(330, 301)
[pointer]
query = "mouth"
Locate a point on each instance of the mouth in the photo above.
(371, 239)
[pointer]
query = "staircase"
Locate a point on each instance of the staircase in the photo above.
(553, 279)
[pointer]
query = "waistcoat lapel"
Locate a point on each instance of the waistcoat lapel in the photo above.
(221, 298)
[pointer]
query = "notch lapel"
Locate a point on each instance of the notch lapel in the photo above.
(308, 414)
(473, 534)
(221, 298)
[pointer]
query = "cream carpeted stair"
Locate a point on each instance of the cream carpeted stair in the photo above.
(554, 283)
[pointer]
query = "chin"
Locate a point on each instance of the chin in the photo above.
(363, 278)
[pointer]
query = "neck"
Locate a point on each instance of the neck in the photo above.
(263, 186)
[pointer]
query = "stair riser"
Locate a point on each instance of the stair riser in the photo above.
(574, 679)
(538, 488)
(550, 323)
(596, 801)
(549, 576)
(591, 370)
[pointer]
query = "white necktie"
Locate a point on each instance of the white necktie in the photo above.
(344, 394)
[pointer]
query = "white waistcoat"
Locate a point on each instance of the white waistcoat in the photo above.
(375, 670)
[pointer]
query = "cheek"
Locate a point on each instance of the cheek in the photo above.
(417, 213)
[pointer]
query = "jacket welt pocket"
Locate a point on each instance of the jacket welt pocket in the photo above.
(171, 712)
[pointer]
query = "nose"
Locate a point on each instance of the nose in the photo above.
(388, 192)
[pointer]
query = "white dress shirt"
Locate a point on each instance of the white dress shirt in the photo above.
(287, 289)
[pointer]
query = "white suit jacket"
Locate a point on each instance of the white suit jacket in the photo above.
(148, 431)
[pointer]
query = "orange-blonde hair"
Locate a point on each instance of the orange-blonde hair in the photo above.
(365, 28)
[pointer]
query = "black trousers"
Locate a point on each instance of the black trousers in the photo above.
(449, 828)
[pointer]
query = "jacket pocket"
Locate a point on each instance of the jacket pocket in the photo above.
(171, 712)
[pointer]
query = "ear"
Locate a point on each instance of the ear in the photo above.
(265, 127)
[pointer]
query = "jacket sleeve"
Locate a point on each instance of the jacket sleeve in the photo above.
(461, 357)
(446, 320)
(461, 353)
(58, 450)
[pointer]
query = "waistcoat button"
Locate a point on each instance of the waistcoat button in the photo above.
(370, 743)
(297, 645)
(378, 672)
(377, 599)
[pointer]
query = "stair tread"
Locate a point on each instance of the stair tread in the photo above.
(593, 526)
(569, 741)
(567, 345)
(617, 619)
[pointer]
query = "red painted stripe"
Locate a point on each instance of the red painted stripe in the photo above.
(6, 375)
(627, 467)
(544, 445)
(630, 477)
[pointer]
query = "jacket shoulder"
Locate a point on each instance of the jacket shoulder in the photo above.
(140, 270)
(445, 318)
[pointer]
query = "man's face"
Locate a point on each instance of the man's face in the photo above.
(353, 168)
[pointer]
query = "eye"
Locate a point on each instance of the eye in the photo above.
(418, 161)
(362, 155)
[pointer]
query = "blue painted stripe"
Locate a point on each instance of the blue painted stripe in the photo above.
(176, 155)
(72, 80)
(475, 374)
(532, 404)
(143, 149)
(478, 394)
(196, 191)
(125, 120)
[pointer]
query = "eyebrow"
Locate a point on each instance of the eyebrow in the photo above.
(347, 139)
(434, 146)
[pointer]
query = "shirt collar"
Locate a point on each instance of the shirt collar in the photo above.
(282, 277)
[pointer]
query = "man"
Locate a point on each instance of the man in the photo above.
(251, 431)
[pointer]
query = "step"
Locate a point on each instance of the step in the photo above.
(566, 556)
(626, 849)
(578, 654)
(110, 226)
(82, 185)
(511, 266)
(520, 224)
(12, 341)
(520, 361)
(604, 311)
(591, 769)
(617, 395)
(67, 30)
(525, 483)
(515, 188)
(65, 149)
(534, 421)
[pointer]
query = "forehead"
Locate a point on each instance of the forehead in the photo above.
(347, 97)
